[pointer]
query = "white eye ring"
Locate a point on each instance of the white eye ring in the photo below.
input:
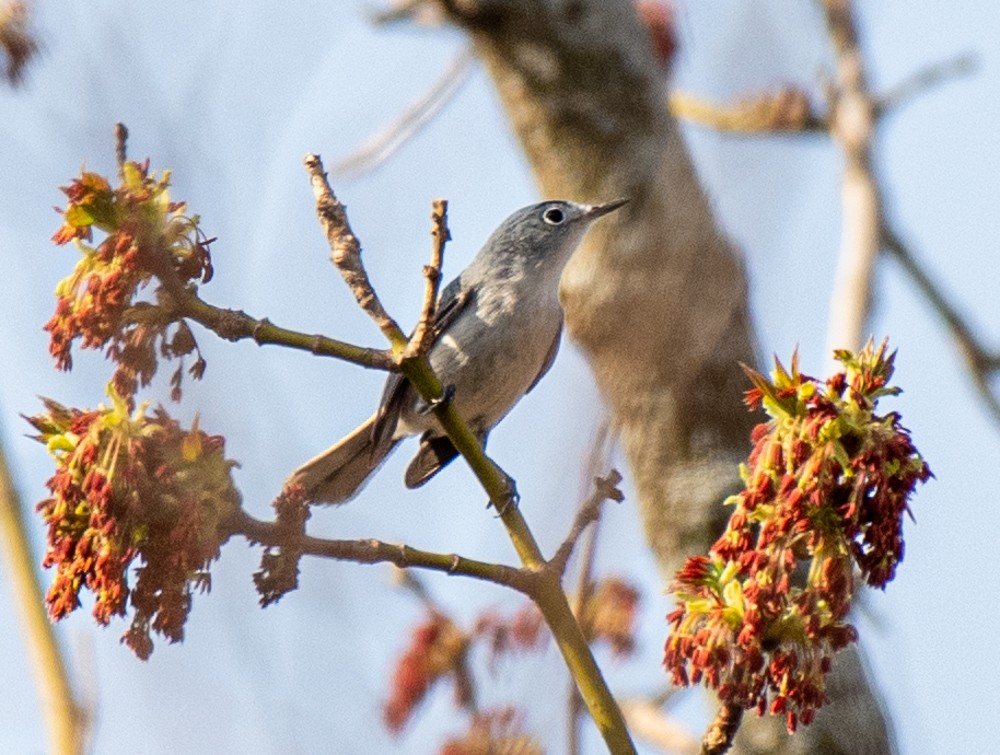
(554, 216)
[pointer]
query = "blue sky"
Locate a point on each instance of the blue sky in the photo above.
(231, 103)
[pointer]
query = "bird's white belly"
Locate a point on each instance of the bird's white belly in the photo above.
(491, 363)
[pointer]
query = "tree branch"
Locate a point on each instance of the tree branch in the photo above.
(388, 140)
(925, 79)
(852, 124)
(719, 736)
(66, 720)
(420, 341)
(346, 252)
(787, 111)
(605, 489)
(377, 552)
(983, 363)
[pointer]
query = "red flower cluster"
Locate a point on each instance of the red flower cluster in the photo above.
(279, 565)
(132, 487)
(145, 234)
(494, 732)
(826, 487)
(609, 614)
(437, 649)
(523, 631)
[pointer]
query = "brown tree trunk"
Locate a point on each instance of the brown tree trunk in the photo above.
(656, 297)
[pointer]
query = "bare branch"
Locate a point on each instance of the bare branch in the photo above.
(721, 732)
(346, 251)
(605, 489)
(376, 552)
(407, 10)
(237, 325)
(121, 142)
(852, 124)
(648, 722)
(420, 341)
(786, 111)
(926, 79)
(983, 363)
(66, 720)
(386, 142)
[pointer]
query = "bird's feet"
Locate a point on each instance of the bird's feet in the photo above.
(509, 497)
(426, 407)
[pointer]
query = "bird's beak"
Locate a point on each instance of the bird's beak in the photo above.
(595, 211)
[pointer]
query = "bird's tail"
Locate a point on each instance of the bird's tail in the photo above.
(339, 473)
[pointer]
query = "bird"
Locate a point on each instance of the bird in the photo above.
(495, 333)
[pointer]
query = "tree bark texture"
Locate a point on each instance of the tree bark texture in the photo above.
(657, 296)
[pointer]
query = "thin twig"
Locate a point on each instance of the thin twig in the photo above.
(721, 732)
(386, 142)
(648, 722)
(925, 79)
(66, 720)
(376, 552)
(598, 458)
(237, 325)
(400, 10)
(605, 489)
(786, 111)
(121, 142)
(983, 363)
(420, 341)
(852, 124)
(345, 252)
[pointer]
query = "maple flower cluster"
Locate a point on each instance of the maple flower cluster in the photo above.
(439, 650)
(826, 488)
(493, 732)
(132, 487)
(609, 614)
(145, 234)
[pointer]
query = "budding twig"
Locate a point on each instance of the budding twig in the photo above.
(237, 325)
(345, 252)
(926, 78)
(787, 111)
(376, 552)
(721, 732)
(121, 139)
(983, 364)
(605, 489)
(386, 142)
(420, 341)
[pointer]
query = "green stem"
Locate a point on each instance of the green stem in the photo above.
(65, 719)
(547, 590)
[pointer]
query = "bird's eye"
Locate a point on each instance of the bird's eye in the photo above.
(553, 216)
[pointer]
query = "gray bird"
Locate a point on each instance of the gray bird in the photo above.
(495, 334)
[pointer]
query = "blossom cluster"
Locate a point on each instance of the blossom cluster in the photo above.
(440, 649)
(146, 234)
(494, 732)
(132, 488)
(609, 614)
(825, 490)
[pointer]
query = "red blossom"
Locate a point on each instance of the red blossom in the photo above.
(609, 614)
(132, 489)
(98, 304)
(437, 649)
(826, 487)
(494, 732)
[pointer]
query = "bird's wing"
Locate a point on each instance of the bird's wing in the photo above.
(550, 357)
(397, 392)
